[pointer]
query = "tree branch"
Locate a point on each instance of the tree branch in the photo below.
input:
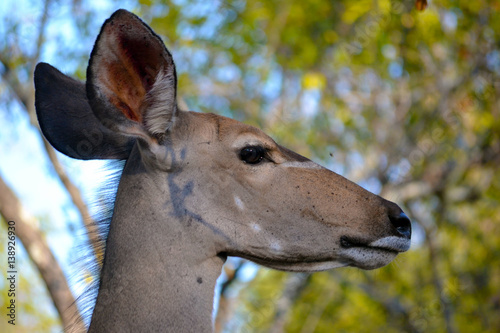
(430, 234)
(293, 288)
(26, 96)
(40, 253)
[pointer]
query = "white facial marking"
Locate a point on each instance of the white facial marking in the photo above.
(255, 227)
(301, 165)
(275, 245)
(239, 203)
(247, 139)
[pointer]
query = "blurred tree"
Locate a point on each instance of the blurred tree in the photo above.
(26, 231)
(24, 43)
(406, 102)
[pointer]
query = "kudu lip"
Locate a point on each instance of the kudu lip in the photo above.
(374, 254)
(389, 243)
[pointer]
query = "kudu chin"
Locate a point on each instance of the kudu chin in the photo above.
(196, 188)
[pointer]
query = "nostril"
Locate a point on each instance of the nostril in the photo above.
(402, 224)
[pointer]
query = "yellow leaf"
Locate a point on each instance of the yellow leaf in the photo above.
(314, 80)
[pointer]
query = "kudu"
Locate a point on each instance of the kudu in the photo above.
(197, 188)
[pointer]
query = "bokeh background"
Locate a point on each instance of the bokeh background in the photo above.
(402, 101)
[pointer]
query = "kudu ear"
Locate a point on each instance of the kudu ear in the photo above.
(131, 79)
(67, 121)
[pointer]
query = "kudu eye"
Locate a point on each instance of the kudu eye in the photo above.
(252, 155)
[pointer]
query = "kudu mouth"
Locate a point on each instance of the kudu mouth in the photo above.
(397, 243)
(390, 243)
(373, 254)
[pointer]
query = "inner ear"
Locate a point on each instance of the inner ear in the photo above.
(131, 79)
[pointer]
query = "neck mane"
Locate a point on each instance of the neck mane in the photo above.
(158, 273)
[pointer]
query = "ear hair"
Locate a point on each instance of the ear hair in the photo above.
(160, 103)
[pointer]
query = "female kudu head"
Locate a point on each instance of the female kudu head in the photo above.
(200, 186)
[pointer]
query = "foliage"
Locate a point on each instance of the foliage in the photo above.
(406, 102)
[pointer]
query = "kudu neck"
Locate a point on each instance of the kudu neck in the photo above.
(160, 268)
